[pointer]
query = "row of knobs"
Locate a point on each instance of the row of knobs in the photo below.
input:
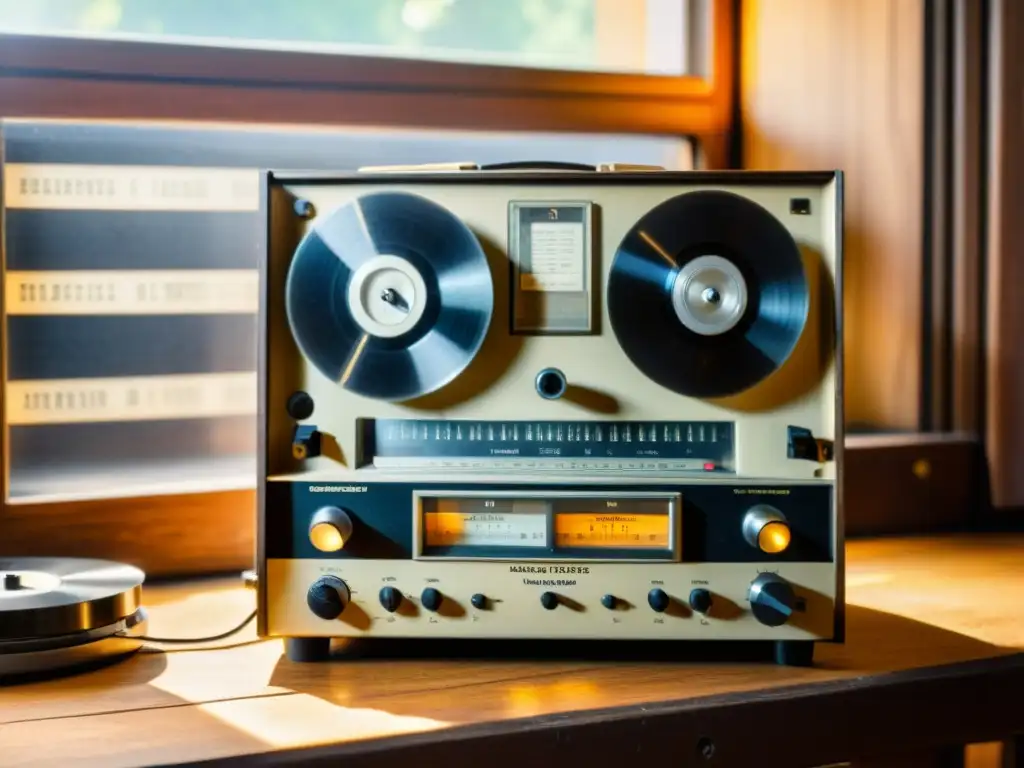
(771, 599)
(330, 595)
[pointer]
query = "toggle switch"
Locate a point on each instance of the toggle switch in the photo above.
(306, 442)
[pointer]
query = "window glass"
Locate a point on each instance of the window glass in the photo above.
(131, 315)
(648, 36)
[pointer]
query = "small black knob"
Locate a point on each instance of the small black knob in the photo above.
(390, 599)
(479, 601)
(327, 597)
(609, 602)
(431, 599)
(700, 600)
(771, 599)
(658, 600)
(551, 384)
(549, 600)
(300, 406)
(12, 581)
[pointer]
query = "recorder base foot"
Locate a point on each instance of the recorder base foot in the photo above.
(794, 653)
(307, 649)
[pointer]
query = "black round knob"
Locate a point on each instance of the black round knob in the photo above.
(300, 406)
(551, 384)
(12, 581)
(327, 597)
(431, 599)
(658, 600)
(771, 599)
(390, 599)
(479, 601)
(549, 600)
(609, 602)
(700, 600)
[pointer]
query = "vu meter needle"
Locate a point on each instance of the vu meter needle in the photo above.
(658, 249)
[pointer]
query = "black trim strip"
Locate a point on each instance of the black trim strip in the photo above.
(767, 178)
(934, 404)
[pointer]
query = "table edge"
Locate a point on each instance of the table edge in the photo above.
(816, 724)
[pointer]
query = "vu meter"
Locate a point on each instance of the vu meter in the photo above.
(612, 530)
(548, 525)
(449, 526)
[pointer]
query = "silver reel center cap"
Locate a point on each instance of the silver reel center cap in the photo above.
(387, 296)
(709, 295)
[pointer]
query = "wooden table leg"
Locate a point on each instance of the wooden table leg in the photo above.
(1013, 753)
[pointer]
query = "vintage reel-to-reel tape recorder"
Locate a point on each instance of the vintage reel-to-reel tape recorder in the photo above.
(551, 404)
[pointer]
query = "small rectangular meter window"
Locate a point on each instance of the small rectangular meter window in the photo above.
(547, 525)
(613, 530)
(483, 523)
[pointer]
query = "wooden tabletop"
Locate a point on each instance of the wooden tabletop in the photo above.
(935, 631)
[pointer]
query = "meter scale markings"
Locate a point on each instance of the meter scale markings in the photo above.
(453, 525)
(612, 530)
(704, 442)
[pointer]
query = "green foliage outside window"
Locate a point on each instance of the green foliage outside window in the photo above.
(550, 33)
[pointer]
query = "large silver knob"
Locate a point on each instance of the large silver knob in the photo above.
(766, 529)
(330, 529)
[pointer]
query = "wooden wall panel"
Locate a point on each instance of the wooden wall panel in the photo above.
(838, 84)
(1004, 352)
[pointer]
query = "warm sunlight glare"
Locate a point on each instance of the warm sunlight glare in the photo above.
(300, 720)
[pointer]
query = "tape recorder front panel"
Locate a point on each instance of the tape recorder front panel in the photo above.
(551, 405)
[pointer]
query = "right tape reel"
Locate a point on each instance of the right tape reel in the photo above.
(707, 294)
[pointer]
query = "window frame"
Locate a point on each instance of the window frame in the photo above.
(51, 77)
(84, 78)
(938, 475)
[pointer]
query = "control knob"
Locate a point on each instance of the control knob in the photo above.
(390, 599)
(431, 599)
(330, 529)
(771, 599)
(766, 529)
(700, 600)
(550, 384)
(328, 597)
(659, 600)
